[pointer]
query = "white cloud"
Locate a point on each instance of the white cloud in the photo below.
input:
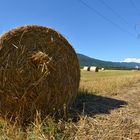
(136, 60)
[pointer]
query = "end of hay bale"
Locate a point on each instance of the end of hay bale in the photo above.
(39, 70)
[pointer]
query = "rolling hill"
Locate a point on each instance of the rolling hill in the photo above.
(88, 61)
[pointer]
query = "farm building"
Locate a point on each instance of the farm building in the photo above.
(137, 67)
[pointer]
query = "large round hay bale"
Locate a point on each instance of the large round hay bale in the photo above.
(39, 70)
(93, 68)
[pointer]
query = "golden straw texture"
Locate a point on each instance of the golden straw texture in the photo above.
(39, 70)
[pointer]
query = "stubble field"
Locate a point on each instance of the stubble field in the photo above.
(106, 108)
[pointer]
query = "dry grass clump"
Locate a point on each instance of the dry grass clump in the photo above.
(39, 70)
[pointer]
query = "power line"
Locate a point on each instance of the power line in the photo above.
(115, 13)
(106, 18)
(133, 5)
(138, 13)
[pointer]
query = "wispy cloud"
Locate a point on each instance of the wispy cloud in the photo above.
(136, 60)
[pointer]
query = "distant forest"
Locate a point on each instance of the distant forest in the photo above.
(87, 61)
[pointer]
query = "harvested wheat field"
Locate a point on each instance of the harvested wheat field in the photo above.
(39, 71)
(107, 108)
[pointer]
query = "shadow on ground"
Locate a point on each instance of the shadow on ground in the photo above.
(90, 104)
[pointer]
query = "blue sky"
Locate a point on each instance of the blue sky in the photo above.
(103, 35)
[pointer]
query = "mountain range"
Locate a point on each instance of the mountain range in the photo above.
(88, 61)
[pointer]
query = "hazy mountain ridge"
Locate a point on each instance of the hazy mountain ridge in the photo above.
(88, 61)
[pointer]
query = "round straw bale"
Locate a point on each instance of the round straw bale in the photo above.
(39, 70)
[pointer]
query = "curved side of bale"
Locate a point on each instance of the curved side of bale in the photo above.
(93, 68)
(86, 68)
(39, 70)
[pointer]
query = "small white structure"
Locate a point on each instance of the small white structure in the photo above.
(93, 68)
(137, 67)
(102, 69)
(86, 68)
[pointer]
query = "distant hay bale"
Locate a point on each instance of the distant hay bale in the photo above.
(86, 68)
(39, 70)
(93, 68)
